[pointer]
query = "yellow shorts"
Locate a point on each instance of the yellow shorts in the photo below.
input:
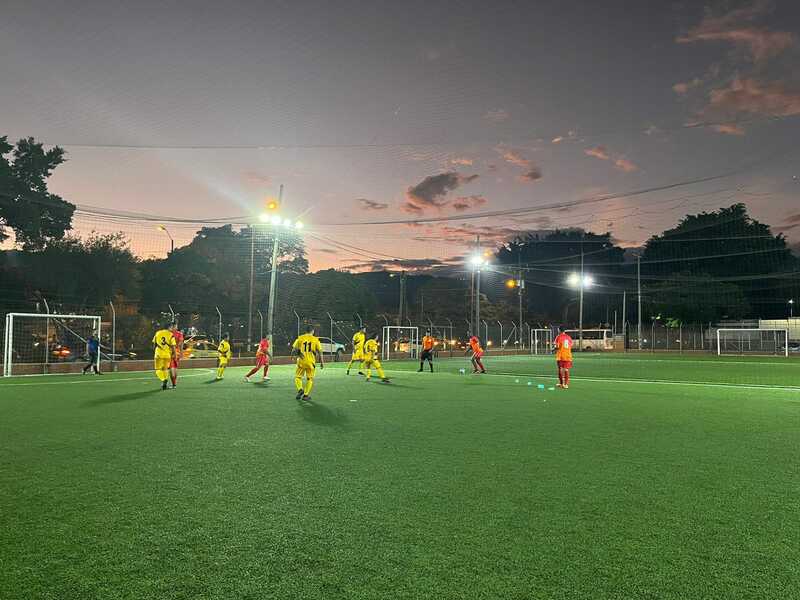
(358, 355)
(372, 361)
(161, 364)
(305, 370)
(223, 361)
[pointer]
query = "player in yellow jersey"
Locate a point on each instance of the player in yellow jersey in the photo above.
(224, 355)
(371, 359)
(308, 350)
(164, 343)
(358, 350)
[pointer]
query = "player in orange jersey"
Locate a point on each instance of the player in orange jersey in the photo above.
(262, 360)
(428, 344)
(176, 357)
(477, 355)
(563, 346)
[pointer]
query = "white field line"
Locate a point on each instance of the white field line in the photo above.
(99, 379)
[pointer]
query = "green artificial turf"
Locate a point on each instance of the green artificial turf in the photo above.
(436, 486)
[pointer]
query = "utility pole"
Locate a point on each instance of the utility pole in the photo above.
(624, 322)
(639, 298)
(478, 290)
(402, 298)
(273, 277)
(252, 278)
(580, 302)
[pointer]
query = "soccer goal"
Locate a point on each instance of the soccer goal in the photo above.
(37, 344)
(402, 342)
(541, 341)
(753, 341)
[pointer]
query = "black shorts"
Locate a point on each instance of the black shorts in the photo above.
(426, 355)
(92, 357)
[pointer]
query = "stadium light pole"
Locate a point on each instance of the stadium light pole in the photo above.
(171, 241)
(791, 308)
(581, 281)
(277, 222)
(478, 261)
(639, 300)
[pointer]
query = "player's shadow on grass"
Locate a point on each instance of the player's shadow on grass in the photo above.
(122, 398)
(319, 414)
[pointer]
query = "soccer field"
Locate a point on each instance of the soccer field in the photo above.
(653, 476)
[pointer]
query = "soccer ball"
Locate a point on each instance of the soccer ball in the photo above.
(462, 371)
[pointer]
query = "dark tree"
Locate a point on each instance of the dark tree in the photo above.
(36, 216)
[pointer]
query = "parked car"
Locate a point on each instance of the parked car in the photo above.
(794, 346)
(331, 347)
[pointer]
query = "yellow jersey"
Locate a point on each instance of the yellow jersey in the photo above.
(370, 349)
(224, 349)
(165, 343)
(307, 345)
(358, 341)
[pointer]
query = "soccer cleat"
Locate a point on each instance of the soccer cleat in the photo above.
(386, 380)
(163, 385)
(307, 398)
(361, 373)
(299, 395)
(348, 372)
(265, 378)
(566, 387)
(247, 379)
(559, 385)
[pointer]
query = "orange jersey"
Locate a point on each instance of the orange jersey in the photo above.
(563, 345)
(428, 343)
(475, 344)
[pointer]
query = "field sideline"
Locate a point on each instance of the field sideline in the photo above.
(654, 476)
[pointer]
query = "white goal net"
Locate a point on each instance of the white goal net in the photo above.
(753, 341)
(541, 341)
(400, 342)
(40, 344)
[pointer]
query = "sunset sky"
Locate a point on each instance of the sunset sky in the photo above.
(376, 112)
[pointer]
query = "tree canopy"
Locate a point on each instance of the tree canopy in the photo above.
(36, 216)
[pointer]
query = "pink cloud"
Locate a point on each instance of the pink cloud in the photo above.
(514, 157)
(736, 27)
(431, 192)
(465, 202)
(532, 174)
(371, 204)
(683, 87)
(749, 96)
(728, 129)
(600, 152)
(623, 164)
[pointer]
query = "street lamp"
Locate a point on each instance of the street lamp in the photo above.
(791, 308)
(580, 281)
(171, 241)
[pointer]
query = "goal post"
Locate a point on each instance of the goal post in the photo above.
(541, 341)
(753, 341)
(40, 344)
(399, 340)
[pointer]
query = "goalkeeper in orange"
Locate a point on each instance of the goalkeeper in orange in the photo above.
(371, 359)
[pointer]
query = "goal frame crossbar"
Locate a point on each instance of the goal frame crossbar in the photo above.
(758, 330)
(8, 334)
